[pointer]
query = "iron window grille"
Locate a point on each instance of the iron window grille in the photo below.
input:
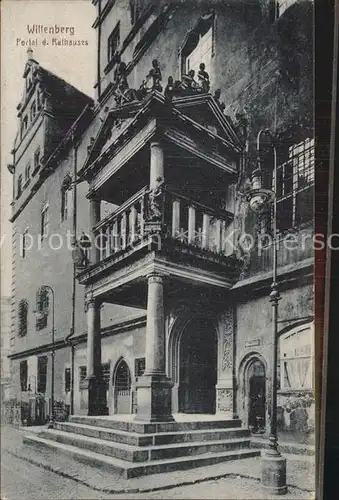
(23, 318)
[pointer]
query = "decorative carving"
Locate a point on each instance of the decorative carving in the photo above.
(216, 96)
(169, 89)
(225, 399)
(123, 94)
(155, 203)
(227, 356)
(203, 79)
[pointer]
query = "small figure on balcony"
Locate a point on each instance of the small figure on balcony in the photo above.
(189, 84)
(123, 94)
(155, 74)
(216, 96)
(169, 89)
(203, 79)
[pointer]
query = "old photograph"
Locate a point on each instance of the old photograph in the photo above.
(157, 249)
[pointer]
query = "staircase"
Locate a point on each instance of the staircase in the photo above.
(131, 449)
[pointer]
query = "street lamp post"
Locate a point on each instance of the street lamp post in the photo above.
(51, 416)
(273, 463)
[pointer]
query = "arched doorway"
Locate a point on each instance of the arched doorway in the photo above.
(256, 383)
(122, 388)
(198, 367)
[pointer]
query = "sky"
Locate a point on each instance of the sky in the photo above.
(75, 64)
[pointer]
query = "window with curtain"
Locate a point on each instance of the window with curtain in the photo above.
(296, 359)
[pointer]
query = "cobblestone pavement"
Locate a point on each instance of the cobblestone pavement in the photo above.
(26, 481)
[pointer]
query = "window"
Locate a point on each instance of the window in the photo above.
(82, 376)
(135, 9)
(296, 359)
(198, 47)
(42, 374)
(33, 110)
(283, 5)
(24, 125)
(67, 379)
(27, 173)
(23, 375)
(139, 366)
(66, 198)
(113, 43)
(295, 182)
(42, 308)
(19, 186)
(22, 317)
(44, 221)
(23, 245)
(105, 375)
(36, 160)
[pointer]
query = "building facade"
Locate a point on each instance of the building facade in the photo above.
(171, 308)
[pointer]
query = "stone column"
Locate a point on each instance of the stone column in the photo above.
(227, 384)
(94, 218)
(157, 165)
(96, 403)
(154, 389)
(191, 225)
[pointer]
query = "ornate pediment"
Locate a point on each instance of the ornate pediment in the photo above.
(208, 111)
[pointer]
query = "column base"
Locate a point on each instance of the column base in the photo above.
(96, 397)
(273, 473)
(154, 401)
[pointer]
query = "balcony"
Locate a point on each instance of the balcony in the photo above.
(168, 226)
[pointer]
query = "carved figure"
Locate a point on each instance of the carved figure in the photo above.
(203, 79)
(216, 96)
(169, 89)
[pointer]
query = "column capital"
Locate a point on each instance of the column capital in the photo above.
(155, 277)
(91, 302)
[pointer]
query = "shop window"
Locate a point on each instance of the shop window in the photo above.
(295, 185)
(113, 43)
(42, 308)
(296, 359)
(23, 375)
(42, 374)
(22, 318)
(67, 379)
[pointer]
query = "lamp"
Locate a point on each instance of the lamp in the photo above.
(259, 196)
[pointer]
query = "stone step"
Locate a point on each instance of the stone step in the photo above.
(129, 470)
(147, 428)
(142, 454)
(115, 435)
(136, 439)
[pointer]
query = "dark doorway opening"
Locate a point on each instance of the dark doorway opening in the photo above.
(257, 397)
(122, 388)
(198, 368)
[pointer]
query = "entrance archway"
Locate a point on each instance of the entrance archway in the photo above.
(122, 388)
(198, 367)
(256, 383)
